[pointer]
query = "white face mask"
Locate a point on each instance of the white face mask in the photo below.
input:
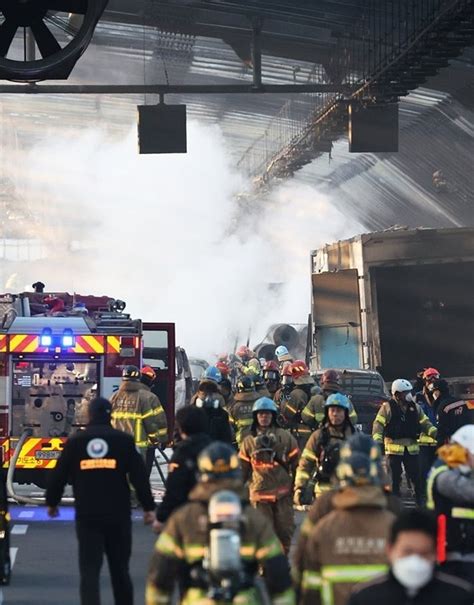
(413, 572)
(409, 398)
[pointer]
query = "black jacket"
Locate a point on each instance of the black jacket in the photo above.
(441, 590)
(96, 462)
(219, 425)
(452, 415)
(182, 474)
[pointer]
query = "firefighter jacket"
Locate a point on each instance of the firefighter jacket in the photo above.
(182, 473)
(282, 395)
(452, 415)
(313, 413)
(99, 462)
(345, 547)
(291, 410)
(399, 429)
(450, 492)
(240, 415)
(312, 461)
(138, 411)
(324, 505)
(183, 545)
(440, 590)
(269, 460)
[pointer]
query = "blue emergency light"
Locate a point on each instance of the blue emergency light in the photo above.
(68, 340)
(46, 338)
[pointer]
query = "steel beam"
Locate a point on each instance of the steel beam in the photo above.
(164, 89)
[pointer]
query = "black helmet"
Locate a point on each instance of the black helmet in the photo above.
(131, 373)
(245, 385)
(360, 461)
(218, 461)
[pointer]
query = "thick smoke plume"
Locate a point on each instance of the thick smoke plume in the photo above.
(170, 235)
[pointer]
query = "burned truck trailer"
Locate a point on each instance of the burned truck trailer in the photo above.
(396, 301)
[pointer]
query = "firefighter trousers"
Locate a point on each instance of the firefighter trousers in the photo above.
(114, 539)
(411, 464)
(282, 515)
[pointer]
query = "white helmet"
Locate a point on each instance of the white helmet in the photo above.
(401, 385)
(465, 437)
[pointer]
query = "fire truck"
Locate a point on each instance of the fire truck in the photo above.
(57, 352)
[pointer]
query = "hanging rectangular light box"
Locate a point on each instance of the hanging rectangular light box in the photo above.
(373, 128)
(162, 128)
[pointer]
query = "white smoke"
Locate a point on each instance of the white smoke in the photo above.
(167, 234)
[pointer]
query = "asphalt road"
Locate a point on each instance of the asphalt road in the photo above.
(44, 553)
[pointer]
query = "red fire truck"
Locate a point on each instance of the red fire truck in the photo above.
(57, 352)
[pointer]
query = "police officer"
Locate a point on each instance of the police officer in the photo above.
(451, 496)
(269, 457)
(214, 545)
(192, 424)
(292, 409)
(321, 453)
(138, 411)
(349, 545)
(313, 413)
(99, 462)
(241, 412)
(398, 424)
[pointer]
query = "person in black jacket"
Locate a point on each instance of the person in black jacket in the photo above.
(211, 401)
(453, 412)
(413, 578)
(99, 462)
(191, 423)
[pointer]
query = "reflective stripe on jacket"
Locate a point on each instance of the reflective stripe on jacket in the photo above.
(138, 412)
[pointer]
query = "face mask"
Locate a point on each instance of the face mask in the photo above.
(431, 386)
(409, 398)
(413, 572)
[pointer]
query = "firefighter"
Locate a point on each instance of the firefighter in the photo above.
(225, 389)
(348, 545)
(282, 395)
(192, 424)
(214, 545)
(211, 401)
(99, 462)
(291, 409)
(451, 496)
(413, 578)
(398, 424)
(283, 356)
(271, 376)
(241, 412)
(269, 458)
(429, 404)
(453, 413)
(313, 413)
(325, 503)
(321, 453)
(260, 386)
(209, 383)
(138, 411)
(147, 380)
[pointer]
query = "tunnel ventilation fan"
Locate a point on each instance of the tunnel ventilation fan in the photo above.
(43, 39)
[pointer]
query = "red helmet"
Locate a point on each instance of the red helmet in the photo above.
(223, 368)
(243, 352)
(330, 379)
(271, 366)
(431, 373)
(286, 369)
(299, 368)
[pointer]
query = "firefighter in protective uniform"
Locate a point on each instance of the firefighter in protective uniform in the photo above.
(348, 545)
(138, 411)
(398, 424)
(269, 456)
(292, 408)
(282, 395)
(451, 495)
(313, 413)
(240, 414)
(321, 453)
(215, 544)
